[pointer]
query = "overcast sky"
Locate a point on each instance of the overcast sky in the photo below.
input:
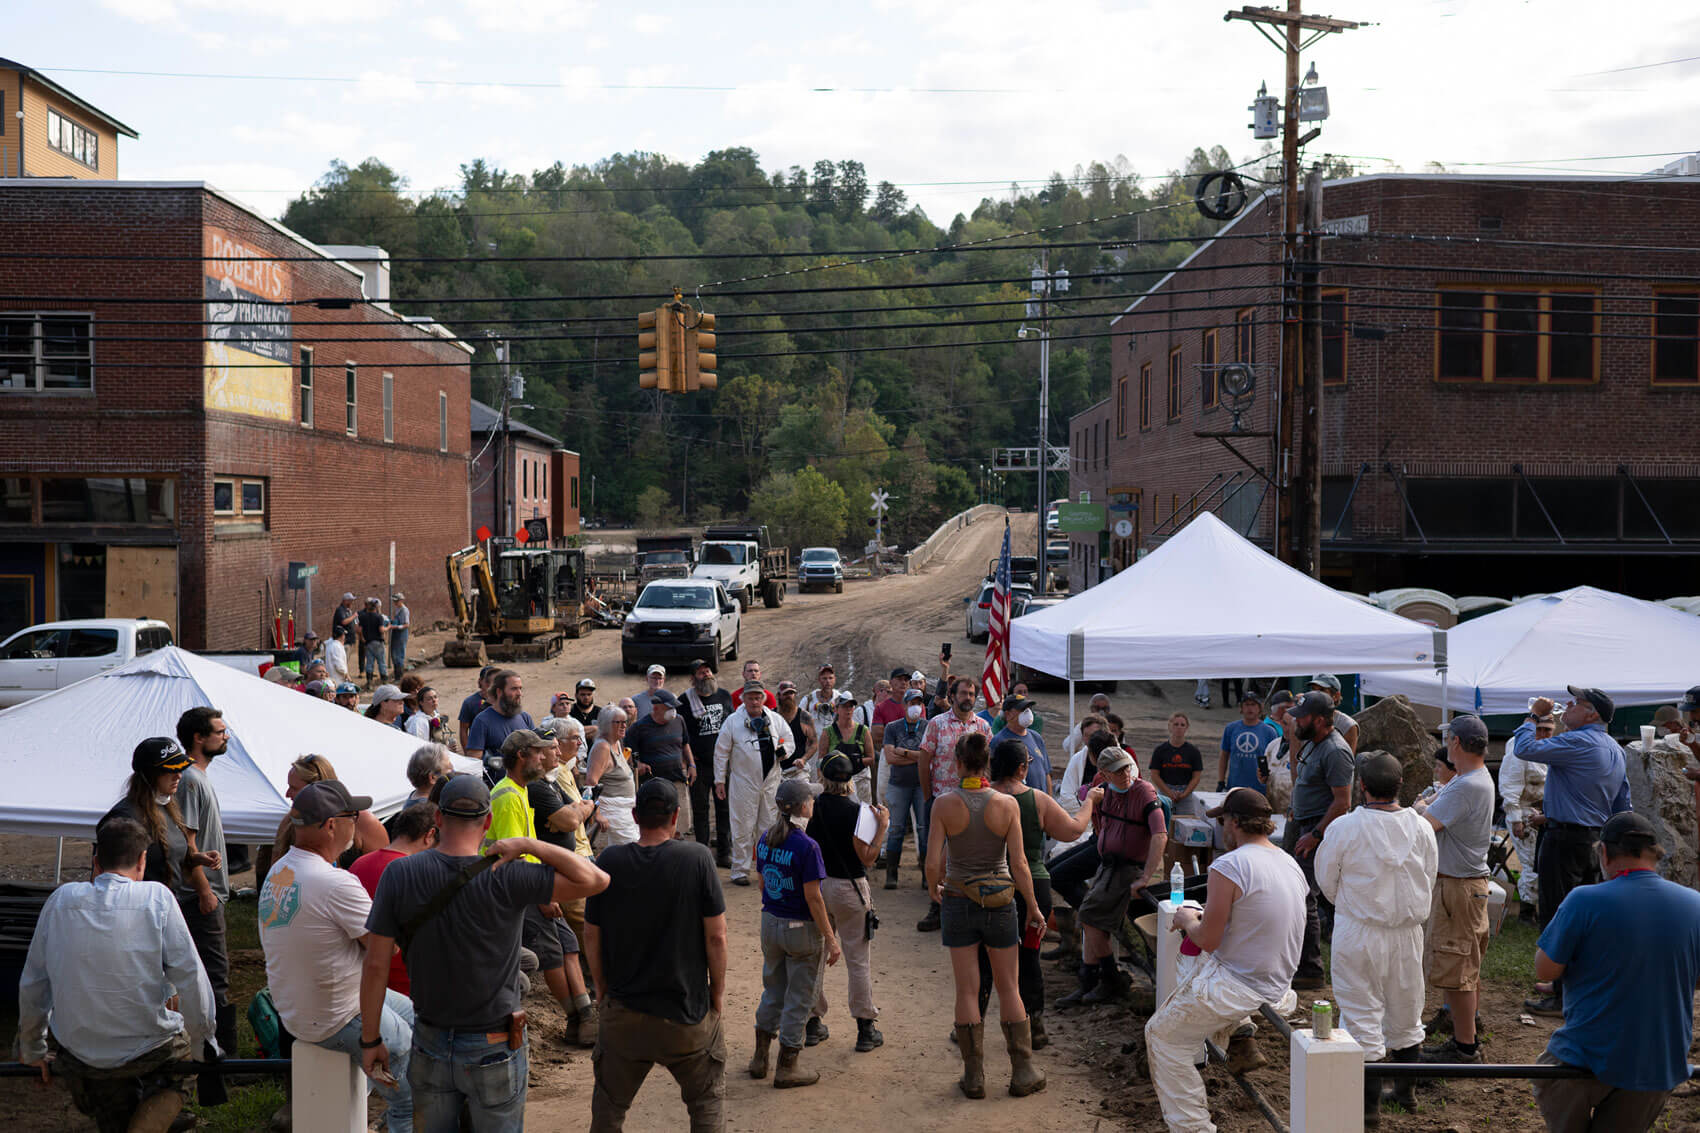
(949, 100)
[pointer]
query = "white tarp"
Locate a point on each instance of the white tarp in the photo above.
(65, 757)
(1638, 652)
(1208, 603)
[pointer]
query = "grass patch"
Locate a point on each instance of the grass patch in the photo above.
(249, 1109)
(1510, 956)
(242, 922)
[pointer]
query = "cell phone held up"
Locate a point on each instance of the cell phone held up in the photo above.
(944, 651)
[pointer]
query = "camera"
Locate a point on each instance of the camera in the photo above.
(1263, 766)
(873, 922)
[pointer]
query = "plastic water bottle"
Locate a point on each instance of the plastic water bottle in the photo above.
(1177, 886)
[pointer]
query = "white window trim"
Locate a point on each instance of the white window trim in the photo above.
(235, 500)
(236, 512)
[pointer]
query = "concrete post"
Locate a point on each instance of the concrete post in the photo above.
(1168, 964)
(329, 1090)
(1326, 1087)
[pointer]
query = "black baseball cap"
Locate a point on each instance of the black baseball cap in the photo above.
(161, 753)
(1242, 802)
(836, 768)
(464, 796)
(324, 800)
(1631, 832)
(657, 798)
(1315, 703)
(1690, 699)
(1250, 697)
(662, 696)
(901, 673)
(699, 663)
(1601, 702)
(1013, 703)
(1280, 696)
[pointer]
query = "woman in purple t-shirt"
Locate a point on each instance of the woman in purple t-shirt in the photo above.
(794, 932)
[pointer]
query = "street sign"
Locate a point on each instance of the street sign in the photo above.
(299, 573)
(522, 536)
(1123, 529)
(1080, 517)
(483, 533)
(538, 530)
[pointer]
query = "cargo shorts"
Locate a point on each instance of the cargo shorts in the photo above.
(1458, 932)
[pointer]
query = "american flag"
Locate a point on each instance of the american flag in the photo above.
(994, 679)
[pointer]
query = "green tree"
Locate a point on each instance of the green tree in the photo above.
(802, 508)
(651, 506)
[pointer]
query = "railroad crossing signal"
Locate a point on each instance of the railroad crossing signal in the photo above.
(879, 499)
(676, 348)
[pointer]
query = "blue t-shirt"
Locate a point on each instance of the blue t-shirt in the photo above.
(1631, 950)
(1038, 759)
(1243, 745)
(784, 870)
(489, 729)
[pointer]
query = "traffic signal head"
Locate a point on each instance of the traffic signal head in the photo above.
(699, 354)
(655, 354)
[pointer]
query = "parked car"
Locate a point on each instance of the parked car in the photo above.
(37, 660)
(820, 566)
(980, 608)
(676, 620)
(1022, 569)
(1020, 607)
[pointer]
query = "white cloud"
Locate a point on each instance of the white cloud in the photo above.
(529, 17)
(441, 30)
(649, 23)
(144, 11)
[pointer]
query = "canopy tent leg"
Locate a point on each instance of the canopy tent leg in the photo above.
(59, 861)
(1071, 704)
(1445, 705)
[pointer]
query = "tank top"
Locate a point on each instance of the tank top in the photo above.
(851, 746)
(796, 723)
(976, 850)
(1032, 833)
(617, 781)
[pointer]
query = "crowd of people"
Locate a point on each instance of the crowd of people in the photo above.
(589, 854)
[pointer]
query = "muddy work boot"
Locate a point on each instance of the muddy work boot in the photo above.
(1243, 1055)
(816, 1032)
(1088, 975)
(758, 1060)
(867, 1036)
(1405, 1089)
(1372, 1100)
(1113, 983)
(1024, 1077)
(971, 1037)
(1040, 1039)
(788, 1075)
(891, 864)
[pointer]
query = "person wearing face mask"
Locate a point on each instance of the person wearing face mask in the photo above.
(1322, 792)
(750, 755)
(900, 747)
(150, 798)
(852, 739)
(705, 708)
(939, 772)
(795, 932)
(1018, 725)
(658, 742)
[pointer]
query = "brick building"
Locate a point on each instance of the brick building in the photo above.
(1511, 386)
(46, 131)
(520, 474)
(192, 397)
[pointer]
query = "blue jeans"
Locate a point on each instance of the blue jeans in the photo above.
(396, 1029)
(372, 657)
(398, 650)
(790, 967)
(448, 1066)
(906, 806)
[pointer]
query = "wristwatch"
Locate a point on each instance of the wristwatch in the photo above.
(373, 1045)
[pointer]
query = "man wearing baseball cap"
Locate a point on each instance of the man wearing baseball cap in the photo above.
(704, 710)
(1587, 783)
(374, 629)
(1378, 866)
(750, 752)
(1249, 936)
(658, 742)
(1322, 792)
(585, 710)
(344, 618)
(654, 679)
(1344, 725)
(313, 931)
(1627, 953)
(469, 1035)
(1462, 817)
(819, 703)
(401, 620)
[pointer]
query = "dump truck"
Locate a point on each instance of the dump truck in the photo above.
(665, 556)
(744, 560)
(522, 610)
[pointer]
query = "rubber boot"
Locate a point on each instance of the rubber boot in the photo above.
(1405, 1089)
(1113, 983)
(1068, 934)
(1088, 975)
(891, 863)
(1372, 1099)
(971, 1037)
(157, 1112)
(1024, 1077)
(930, 922)
(788, 1075)
(867, 1036)
(1040, 1039)
(758, 1060)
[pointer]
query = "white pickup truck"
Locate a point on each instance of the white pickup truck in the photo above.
(742, 560)
(679, 620)
(49, 656)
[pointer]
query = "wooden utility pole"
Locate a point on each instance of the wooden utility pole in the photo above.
(1291, 542)
(1309, 488)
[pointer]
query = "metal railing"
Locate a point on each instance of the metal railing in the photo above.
(225, 1067)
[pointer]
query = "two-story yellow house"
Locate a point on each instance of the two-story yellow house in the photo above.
(46, 131)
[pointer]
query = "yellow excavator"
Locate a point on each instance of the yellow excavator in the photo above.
(522, 610)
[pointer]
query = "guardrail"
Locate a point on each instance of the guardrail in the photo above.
(919, 557)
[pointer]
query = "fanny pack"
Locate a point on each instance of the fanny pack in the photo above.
(987, 890)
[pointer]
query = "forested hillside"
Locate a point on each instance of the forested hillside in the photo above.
(814, 407)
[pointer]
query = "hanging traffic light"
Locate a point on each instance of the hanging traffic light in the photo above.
(699, 352)
(655, 350)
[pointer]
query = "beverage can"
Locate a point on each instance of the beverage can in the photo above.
(1322, 1019)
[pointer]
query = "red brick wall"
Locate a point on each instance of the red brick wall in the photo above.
(334, 500)
(1392, 408)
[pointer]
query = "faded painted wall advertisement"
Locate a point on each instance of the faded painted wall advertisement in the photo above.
(247, 364)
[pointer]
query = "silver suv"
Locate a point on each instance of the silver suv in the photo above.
(822, 567)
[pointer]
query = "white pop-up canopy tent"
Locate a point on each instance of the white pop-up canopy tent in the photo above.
(1209, 603)
(1634, 650)
(65, 757)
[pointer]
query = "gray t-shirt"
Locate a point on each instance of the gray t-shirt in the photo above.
(662, 746)
(1464, 808)
(464, 962)
(199, 805)
(1322, 766)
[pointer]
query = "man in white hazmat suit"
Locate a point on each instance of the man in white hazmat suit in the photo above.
(1522, 786)
(1377, 865)
(754, 746)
